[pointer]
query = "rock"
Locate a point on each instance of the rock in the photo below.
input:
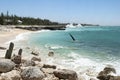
(48, 70)
(51, 54)
(66, 74)
(35, 53)
(2, 48)
(102, 75)
(6, 65)
(36, 59)
(105, 74)
(20, 52)
(32, 73)
(16, 59)
(39, 64)
(12, 75)
(9, 51)
(29, 63)
(109, 77)
(108, 70)
(1, 78)
(50, 77)
(116, 78)
(49, 66)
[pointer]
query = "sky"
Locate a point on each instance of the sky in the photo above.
(103, 12)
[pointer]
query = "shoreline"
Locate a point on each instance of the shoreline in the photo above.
(13, 33)
(8, 35)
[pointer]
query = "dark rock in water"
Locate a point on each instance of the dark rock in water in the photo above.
(2, 48)
(102, 75)
(66, 74)
(109, 77)
(49, 66)
(29, 63)
(16, 59)
(9, 51)
(32, 73)
(108, 70)
(6, 65)
(105, 74)
(36, 59)
(35, 53)
(51, 54)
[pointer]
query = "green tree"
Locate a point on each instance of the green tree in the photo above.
(2, 19)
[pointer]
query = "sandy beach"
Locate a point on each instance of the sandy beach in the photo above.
(7, 35)
(10, 34)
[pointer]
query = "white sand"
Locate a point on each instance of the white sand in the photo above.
(8, 35)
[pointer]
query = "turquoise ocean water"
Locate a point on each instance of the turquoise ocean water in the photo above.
(94, 47)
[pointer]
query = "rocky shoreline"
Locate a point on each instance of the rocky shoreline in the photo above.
(34, 27)
(46, 27)
(15, 67)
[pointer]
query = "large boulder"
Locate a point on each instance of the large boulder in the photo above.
(66, 74)
(12, 75)
(6, 65)
(32, 73)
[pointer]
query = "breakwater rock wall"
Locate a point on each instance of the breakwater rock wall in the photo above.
(45, 27)
(35, 27)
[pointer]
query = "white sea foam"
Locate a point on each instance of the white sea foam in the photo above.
(82, 65)
(22, 36)
(41, 31)
(54, 46)
(87, 29)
